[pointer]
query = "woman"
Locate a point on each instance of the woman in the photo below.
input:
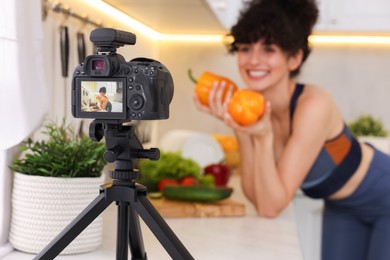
(301, 141)
(102, 99)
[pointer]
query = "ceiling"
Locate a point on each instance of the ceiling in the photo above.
(173, 16)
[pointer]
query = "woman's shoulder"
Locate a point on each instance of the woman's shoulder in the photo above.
(317, 106)
(316, 94)
(314, 89)
(316, 102)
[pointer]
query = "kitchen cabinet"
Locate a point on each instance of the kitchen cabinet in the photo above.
(226, 11)
(354, 16)
(308, 214)
(344, 16)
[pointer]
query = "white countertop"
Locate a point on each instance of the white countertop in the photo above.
(237, 238)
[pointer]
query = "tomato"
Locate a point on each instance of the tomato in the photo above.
(164, 182)
(246, 106)
(188, 181)
(204, 84)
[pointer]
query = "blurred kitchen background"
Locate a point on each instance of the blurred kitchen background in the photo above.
(356, 74)
(350, 57)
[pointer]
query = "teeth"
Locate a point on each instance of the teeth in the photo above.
(257, 73)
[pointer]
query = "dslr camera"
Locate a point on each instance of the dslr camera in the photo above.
(105, 86)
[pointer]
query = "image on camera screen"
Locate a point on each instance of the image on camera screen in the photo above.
(101, 96)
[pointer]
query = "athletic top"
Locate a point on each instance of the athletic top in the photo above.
(338, 160)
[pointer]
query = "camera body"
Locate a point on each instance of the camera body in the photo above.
(105, 86)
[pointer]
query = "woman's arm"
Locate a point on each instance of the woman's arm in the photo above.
(259, 175)
(271, 183)
(247, 158)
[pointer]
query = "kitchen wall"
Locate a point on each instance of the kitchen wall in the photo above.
(358, 77)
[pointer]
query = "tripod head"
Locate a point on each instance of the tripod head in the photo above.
(122, 147)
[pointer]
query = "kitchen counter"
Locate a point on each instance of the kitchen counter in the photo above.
(234, 238)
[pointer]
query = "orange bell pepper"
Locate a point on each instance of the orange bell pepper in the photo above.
(204, 85)
(246, 106)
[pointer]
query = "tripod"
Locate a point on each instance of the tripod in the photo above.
(123, 147)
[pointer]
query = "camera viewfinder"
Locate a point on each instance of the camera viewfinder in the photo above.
(98, 65)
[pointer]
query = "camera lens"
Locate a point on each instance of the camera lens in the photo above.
(136, 102)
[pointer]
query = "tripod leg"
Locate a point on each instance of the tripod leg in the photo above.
(160, 229)
(122, 231)
(135, 235)
(67, 235)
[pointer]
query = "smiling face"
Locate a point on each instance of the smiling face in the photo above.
(264, 65)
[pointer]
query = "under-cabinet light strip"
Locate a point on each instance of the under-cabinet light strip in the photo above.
(153, 34)
(147, 31)
(350, 39)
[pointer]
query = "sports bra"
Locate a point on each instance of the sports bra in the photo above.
(336, 163)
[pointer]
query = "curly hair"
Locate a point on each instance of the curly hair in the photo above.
(286, 23)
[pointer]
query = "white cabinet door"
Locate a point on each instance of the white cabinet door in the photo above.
(308, 214)
(354, 16)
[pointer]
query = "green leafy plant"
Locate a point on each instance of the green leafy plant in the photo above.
(64, 154)
(171, 165)
(367, 125)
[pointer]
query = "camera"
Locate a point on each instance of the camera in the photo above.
(105, 86)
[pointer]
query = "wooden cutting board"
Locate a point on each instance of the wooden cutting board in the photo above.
(183, 209)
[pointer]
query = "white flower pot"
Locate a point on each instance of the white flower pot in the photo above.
(43, 206)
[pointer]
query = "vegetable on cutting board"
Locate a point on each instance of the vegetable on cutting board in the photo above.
(196, 193)
(186, 181)
(165, 182)
(171, 165)
(177, 178)
(220, 172)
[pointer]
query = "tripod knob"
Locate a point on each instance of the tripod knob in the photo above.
(154, 154)
(110, 155)
(151, 154)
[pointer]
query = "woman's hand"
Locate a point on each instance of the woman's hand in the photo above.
(217, 106)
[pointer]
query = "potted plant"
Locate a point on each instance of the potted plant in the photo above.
(54, 181)
(371, 130)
